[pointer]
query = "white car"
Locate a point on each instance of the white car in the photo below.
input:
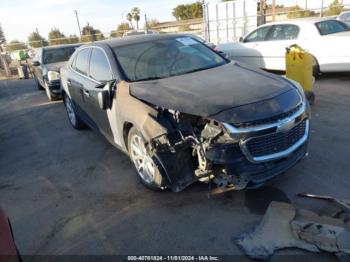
(328, 40)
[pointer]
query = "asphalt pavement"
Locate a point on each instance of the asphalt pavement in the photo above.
(71, 192)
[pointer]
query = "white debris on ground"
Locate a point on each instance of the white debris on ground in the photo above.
(283, 226)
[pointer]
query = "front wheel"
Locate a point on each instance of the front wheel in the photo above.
(146, 169)
(72, 115)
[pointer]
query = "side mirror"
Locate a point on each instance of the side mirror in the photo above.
(240, 39)
(35, 63)
(103, 98)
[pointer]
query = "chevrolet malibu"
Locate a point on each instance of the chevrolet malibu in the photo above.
(184, 113)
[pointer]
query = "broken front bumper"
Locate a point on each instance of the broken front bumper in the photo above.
(263, 151)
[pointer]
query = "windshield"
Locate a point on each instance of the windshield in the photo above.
(331, 27)
(165, 57)
(58, 54)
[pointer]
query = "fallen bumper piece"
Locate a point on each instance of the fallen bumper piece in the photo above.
(283, 226)
(273, 233)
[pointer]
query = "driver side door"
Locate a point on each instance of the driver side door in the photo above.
(99, 72)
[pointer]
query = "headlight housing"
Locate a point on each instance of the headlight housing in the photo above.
(53, 75)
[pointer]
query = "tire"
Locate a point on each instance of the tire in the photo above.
(73, 118)
(38, 85)
(315, 68)
(147, 171)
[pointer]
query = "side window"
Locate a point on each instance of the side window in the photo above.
(81, 61)
(331, 27)
(347, 17)
(258, 35)
(74, 61)
(284, 32)
(99, 66)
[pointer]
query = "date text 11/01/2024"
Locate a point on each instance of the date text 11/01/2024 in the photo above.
(173, 258)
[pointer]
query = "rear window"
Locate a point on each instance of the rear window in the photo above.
(331, 27)
(56, 55)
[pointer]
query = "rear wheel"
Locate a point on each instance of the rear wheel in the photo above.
(315, 68)
(146, 169)
(72, 115)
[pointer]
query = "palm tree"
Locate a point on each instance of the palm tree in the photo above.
(135, 12)
(129, 17)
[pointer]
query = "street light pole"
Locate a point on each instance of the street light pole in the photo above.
(76, 16)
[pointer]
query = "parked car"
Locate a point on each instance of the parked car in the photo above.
(345, 17)
(328, 40)
(46, 66)
(184, 113)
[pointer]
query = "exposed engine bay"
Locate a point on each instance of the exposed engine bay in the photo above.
(202, 145)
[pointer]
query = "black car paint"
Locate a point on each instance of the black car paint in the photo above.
(229, 93)
(84, 91)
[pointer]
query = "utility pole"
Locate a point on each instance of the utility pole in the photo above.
(273, 10)
(262, 12)
(146, 24)
(76, 16)
(41, 40)
(321, 12)
(305, 4)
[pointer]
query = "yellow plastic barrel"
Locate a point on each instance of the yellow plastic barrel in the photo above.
(299, 67)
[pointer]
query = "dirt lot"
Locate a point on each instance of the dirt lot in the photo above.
(70, 192)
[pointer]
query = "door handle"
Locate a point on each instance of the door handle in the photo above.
(86, 92)
(69, 82)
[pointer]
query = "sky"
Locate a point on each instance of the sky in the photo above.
(19, 18)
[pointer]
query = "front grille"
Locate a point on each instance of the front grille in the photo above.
(270, 120)
(275, 142)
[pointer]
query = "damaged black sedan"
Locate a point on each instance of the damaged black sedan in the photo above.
(184, 113)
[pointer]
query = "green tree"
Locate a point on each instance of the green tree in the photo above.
(36, 40)
(188, 11)
(121, 28)
(73, 39)
(2, 36)
(135, 12)
(129, 18)
(89, 34)
(56, 37)
(152, 23)
(335, 8)
(15, 45)
(298, 12)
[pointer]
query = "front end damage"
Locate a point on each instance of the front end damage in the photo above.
(233, 156)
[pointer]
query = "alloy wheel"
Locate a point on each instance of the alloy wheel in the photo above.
(143, 162)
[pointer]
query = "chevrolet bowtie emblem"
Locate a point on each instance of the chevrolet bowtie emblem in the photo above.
(285, 126)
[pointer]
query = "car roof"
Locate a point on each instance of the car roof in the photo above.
(300, 21)
(60, 46)
(134, 39)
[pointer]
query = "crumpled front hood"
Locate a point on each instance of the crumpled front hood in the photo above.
(55, 66)
(211, 92)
